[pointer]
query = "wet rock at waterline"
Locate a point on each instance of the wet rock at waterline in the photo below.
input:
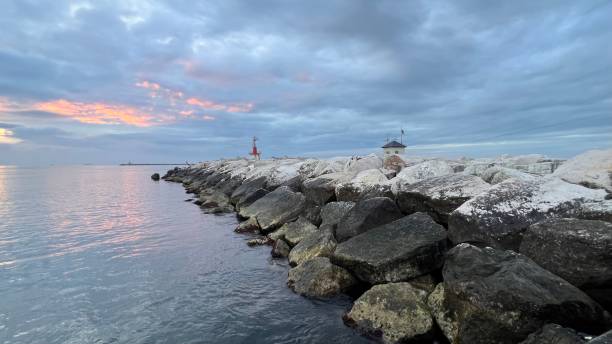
(260, 241)
(155, 176)
(317, 244)
(248, 226)
(298, 230)
(276, 208)
(396, 312)
(280, 249)
(318, 277)
(406, 248)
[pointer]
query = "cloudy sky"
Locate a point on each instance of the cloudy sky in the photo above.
(169, 81)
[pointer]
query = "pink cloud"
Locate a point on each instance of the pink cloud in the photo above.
(101, 113)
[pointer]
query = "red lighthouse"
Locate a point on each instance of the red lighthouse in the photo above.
(254, 152)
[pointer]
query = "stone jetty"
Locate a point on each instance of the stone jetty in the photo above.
(514, 249)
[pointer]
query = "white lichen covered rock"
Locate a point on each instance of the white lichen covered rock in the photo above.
(330, 165)
(357, 164)
(439, 196)
(366, 184)
(592, 169)
(421, 171)
(499, 216)
(497, 174)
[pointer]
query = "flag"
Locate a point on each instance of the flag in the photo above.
(402, 131)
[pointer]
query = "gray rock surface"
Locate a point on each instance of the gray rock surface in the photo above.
(318, 277)
(248, 226)
(497, 174)
(366, 215)
(321, 190)
(580, 251)
(439, 196)
(605, 338)
(495, 296)
(333, 212)
(317, 244)
(591, 169)
(250, 198)
(275, 209)
(298, 230)
(424, 170)
(280, 249)
(499, 216)
(246, 188)
(554, 334)
(395, 311)
(406, 248)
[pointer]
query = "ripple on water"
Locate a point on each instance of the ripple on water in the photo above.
(103, 255)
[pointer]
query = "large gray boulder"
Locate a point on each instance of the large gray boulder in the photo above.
(403, 249)
(397, 312)
(280, 249)
(366, 215)
(497, 174)
(592, 169)
(495, 296)
(424, 170)
(605, 338)
(318, 277)
(213, 201)
(358, 164)
(296, 231)
(321, 190)
(318, 244)
(333, 212)
(250, 198)
(499, 216)
(580, 251)
(246, 188)
(367, 184)
(554, 334)
(439, 196)
(275, 209)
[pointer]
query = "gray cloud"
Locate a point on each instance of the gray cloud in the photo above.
(325, 78)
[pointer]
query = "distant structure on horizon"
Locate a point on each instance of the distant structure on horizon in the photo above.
(254, 151)
(394, 147)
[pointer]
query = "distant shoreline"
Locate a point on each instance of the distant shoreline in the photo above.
(129, 164)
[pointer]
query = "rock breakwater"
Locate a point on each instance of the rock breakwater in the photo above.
(498, 250)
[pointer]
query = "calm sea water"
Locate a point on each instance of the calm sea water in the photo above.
(105, 255)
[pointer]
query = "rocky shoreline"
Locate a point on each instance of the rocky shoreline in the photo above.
(505, 250)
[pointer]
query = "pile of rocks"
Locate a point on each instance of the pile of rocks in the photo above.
(506, 250)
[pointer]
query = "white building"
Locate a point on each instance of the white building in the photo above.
(394, 147)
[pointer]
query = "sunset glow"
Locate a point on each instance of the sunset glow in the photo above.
(210, 105)
(6, 137)
(98, 113)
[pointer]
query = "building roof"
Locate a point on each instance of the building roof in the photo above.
(393, 144)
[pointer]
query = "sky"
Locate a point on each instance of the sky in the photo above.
(105, 82)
